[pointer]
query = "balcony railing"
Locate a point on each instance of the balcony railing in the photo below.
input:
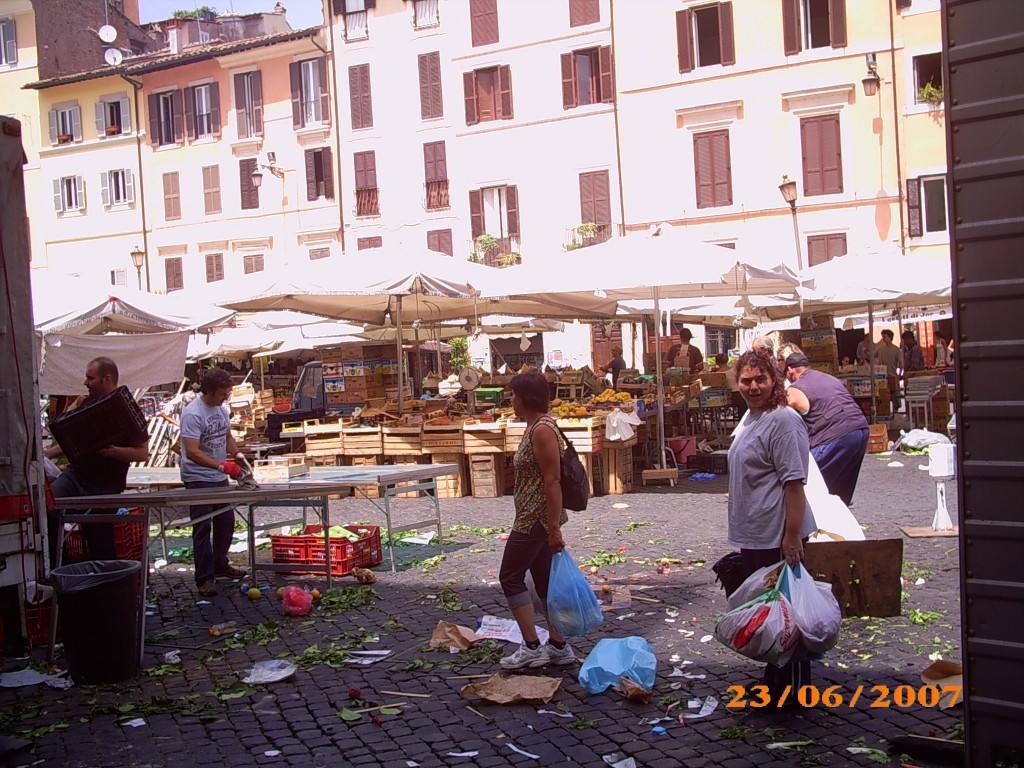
(368, 202)
(504, 252)
(592, 235)
(437, 195)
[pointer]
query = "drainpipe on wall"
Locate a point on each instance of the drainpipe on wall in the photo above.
(136, 87)
(329, 18)
(615, 111)
(896, 129)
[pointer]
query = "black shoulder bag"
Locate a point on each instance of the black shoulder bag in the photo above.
(573, 478)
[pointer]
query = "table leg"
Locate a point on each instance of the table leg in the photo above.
(250, 530)
(325, 522)
(387, 520)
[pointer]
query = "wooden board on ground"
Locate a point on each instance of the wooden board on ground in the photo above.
(865, 575)
(927, 532)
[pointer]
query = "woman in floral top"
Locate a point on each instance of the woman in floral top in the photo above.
(536, 532)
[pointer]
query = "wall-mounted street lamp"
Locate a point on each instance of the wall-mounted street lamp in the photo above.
(138, 260)
(257, 175)
(788, 190)
(871, 81)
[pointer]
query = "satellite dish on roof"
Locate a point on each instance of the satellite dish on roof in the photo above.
(113, 57)
(107, 34)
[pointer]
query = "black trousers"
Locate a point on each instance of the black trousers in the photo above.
(797, 672)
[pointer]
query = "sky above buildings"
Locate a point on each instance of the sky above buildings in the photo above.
(301, 13)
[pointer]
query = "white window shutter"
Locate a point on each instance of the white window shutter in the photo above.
(58, 197)
(80, 187)
(126, 116)
(53, 127)
(76, 122)
(11, 40)
(105, 187)
(129, 186)
(101, 119)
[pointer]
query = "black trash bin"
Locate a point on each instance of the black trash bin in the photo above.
(99, 604)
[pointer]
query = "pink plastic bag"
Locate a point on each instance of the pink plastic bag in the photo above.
(296, 602)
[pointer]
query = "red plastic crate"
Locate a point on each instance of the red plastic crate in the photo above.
(307, 548)
(129, 541)
(37, 621)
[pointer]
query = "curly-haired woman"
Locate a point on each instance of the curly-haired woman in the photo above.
(768, 515)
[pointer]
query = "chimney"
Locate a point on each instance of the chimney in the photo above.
(174, 39)
(280, 9)
(130, 8)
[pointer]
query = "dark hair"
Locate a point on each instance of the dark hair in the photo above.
(889, 334)
(532, 389)
(721, 358)
(760, 360)
(685, 334)
(104, 367)
(908, 336)
(214, 379)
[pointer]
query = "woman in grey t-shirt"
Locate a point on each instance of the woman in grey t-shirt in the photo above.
(768, 515)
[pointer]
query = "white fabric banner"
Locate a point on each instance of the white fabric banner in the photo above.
(143, 360)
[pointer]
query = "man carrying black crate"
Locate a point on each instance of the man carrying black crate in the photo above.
(99, 472)
(207, 442)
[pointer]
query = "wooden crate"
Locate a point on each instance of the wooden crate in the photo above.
(586, 435)
(371, 492)
(322, 427)
(279, 469)
(865, 575)
(878, 438)
(402, 441)
(617, 468)
(362, 441)
(487, 475)
(443, 438)
(325, 447)
(405, 460)
(484, 437)
(291, 428)
(452, 486)
(514, 431)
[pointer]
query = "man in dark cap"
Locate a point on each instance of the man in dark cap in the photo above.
(685, 351)
(836, 425)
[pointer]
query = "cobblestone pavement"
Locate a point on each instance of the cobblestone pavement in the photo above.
(199, 713)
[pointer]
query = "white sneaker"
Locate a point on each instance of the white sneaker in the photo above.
(559, 657)
(525, 657)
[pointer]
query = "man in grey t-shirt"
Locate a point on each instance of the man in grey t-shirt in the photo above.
(206, 443)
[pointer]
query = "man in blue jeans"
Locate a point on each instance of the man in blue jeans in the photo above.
(207, 441)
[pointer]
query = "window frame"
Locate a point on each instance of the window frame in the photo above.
(118, 180)
(483, 23)
(827, 240)
(253, 263)
(435, 176)
(248, 104)
(431, 86)
(165, 119)
(8, 42)
(365, 186)
(584, 12)
(171, 185)
(212, 200)
(203, 88)
(69, 194)
(323, 252)
(430, 18)
(360, 96)
(312, 113)
(796, 29)
(596, 204)
(174, 274)
(65, 119)
(440, 238)
(688, 38)
(500, 76)
(214, 263)
(104, 116)
(813, 190)
(705, 142)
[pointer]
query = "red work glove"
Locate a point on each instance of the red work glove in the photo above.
(231, 469)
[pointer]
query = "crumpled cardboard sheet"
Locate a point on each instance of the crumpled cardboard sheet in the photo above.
(634, 691)
(518, 689)
(448, 635)
(942, 675)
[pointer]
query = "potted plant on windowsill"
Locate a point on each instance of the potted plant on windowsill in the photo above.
(64, 138)
(930, 94)
(113, 130)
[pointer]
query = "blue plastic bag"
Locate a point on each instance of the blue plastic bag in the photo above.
(572, 605)
(614, 657)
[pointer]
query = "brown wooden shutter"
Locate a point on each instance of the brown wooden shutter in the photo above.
(587, 198)
(249, 193)
(239, 81)
(310, 158)
(430, 86)
(469, 87)
(483, 19)
(440, 240)
(684, 40)
(214, 267)
(325, 92)
(173, 274)
(179, 116)
(602, 199)
(172, 196)
(476, 213)
(512, 208)
(295, 73)
(504, 100)
(582, 12)
(810, 147)
(703, 172)
(327, 157)
(836, 245)
(607, 72)
(831, 155)
(570, 98)
(366, 170)
(215, 108)
(435, 161)
(721, 162)
(915, 226)
(791, 27)
(211, 189)
(154, 120)
(256, 79)
(725, 33)
(837, 22)
(355, 93)
(190, 116)
(817, 250)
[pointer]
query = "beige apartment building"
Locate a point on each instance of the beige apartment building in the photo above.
(231, 149)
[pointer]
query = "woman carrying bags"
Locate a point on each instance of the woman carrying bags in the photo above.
(536, 531)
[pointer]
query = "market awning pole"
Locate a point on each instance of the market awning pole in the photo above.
(871, 359)
(398, 349)
(661, 388)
